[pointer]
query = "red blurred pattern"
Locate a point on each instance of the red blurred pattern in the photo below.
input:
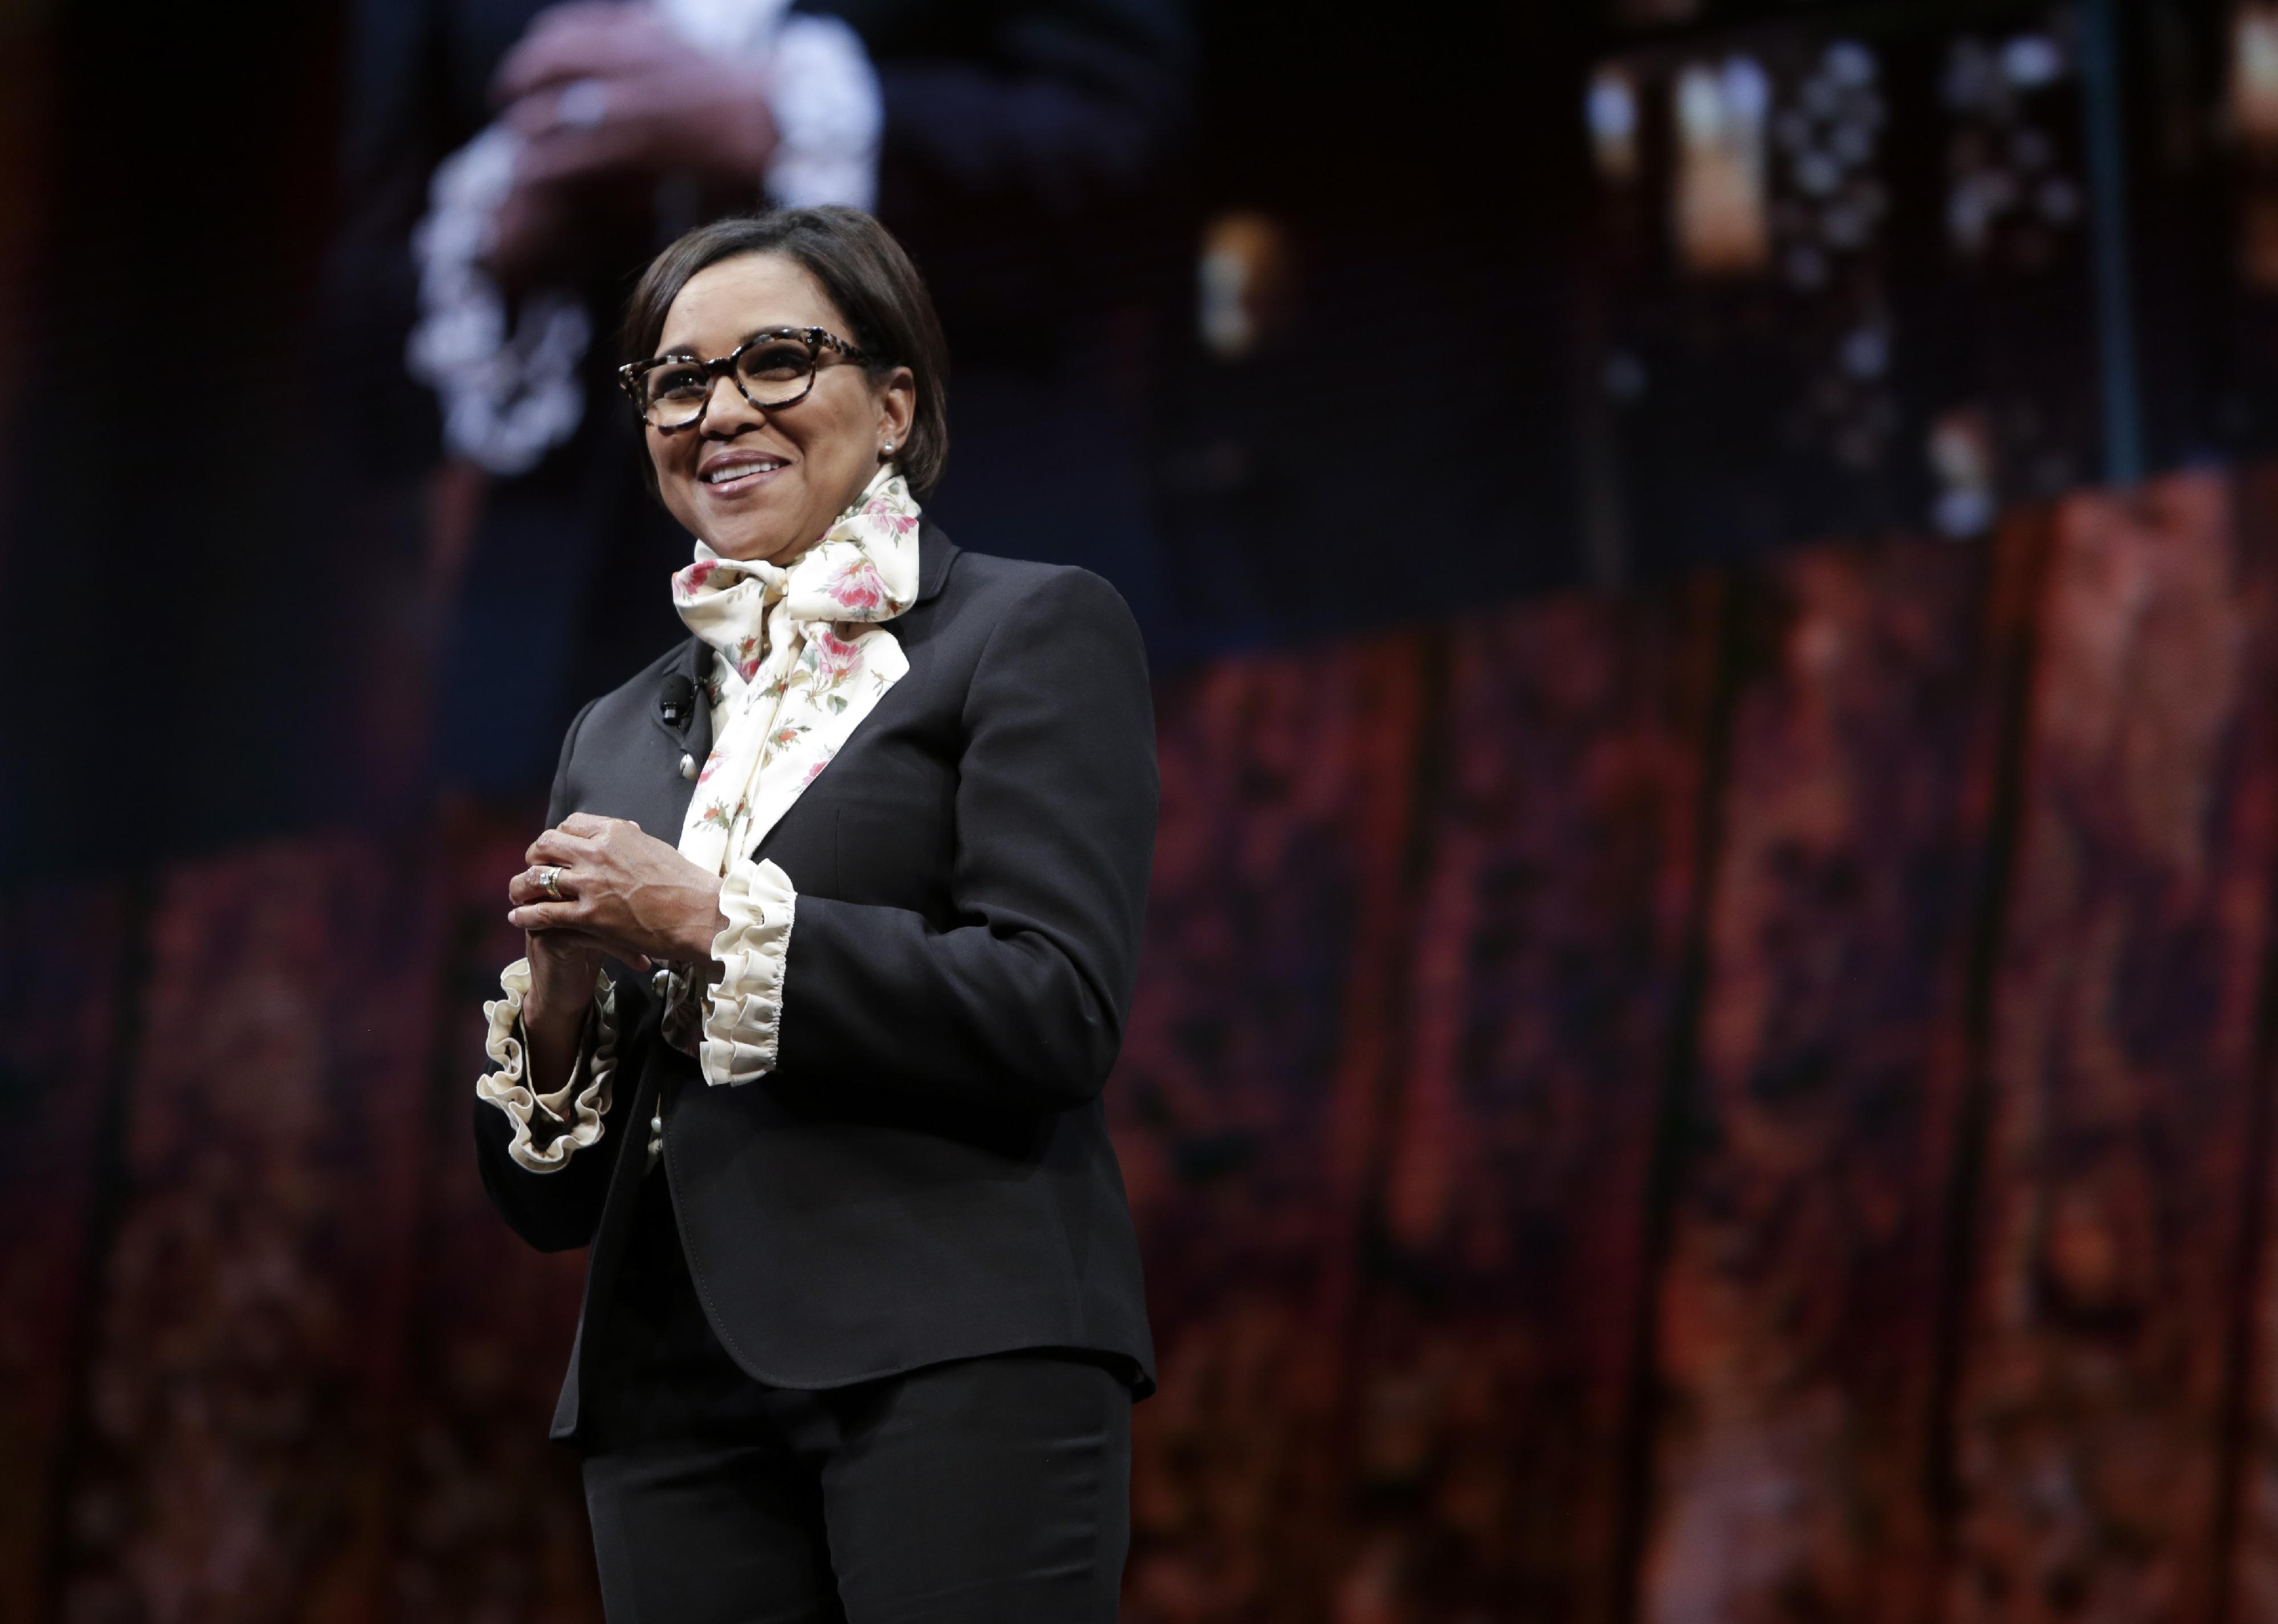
(250, 1312)
(492, 1517)
(1745, 1103)
(1246, 1103)
(2122, 1067)
(1545, 944)
(1798, 1306)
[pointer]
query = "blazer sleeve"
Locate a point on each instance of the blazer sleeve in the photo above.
(1019, 1005)
(558, 1211)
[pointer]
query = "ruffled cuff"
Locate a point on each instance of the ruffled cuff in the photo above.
(744, 1006)
(830, 113)
(681, 994)
(547, 1128)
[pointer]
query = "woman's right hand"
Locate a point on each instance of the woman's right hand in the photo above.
(563, 968)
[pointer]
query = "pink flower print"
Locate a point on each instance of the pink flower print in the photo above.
(835, 662)
(718, 816)
(747, 658)
(711, 766)
(815, 772)
(783, 737)
(689, 582)
(857, 585)
(835, 658)
(888, 517)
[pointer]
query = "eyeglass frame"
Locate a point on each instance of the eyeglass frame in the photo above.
(816, 339)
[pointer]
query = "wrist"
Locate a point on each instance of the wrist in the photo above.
(554, 1014)
(703, 928)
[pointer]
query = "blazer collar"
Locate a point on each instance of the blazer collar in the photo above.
(936, 554)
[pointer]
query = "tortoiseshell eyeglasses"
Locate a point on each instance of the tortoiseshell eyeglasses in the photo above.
(772, 368)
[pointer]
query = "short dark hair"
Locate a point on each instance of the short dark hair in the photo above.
(868, 278)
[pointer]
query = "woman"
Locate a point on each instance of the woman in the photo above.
(829, 952)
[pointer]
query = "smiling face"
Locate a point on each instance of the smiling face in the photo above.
(766, 485)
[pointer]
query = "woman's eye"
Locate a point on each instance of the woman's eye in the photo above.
(775, 364)
(677, 383)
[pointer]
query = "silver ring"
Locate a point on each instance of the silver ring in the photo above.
(550, 879)
(582, 105)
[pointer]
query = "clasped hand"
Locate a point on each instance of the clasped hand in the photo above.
(622, 895)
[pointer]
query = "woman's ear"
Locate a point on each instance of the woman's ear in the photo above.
(898, 410)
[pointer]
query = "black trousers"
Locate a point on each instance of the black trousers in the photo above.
(990, 1489)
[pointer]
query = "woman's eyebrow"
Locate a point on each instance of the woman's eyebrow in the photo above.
(688, 352)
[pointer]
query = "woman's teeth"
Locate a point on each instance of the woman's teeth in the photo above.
(721, 476)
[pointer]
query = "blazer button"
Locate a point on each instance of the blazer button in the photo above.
(688, 767)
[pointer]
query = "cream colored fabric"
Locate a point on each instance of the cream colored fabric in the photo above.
(745, 1009)
(802, 658)
(548, 1128)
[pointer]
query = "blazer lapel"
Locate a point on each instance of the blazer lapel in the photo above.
(936, 553)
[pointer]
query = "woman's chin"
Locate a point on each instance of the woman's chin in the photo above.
(746, 543)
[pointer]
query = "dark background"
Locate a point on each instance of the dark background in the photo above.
(1488, 350)
(1704, 1050)
(170, 310)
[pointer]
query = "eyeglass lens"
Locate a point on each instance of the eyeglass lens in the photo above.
(773, 371)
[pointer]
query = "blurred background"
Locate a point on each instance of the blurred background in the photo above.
(1705, 1047)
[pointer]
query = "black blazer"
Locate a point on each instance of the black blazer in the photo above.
(926, 1176)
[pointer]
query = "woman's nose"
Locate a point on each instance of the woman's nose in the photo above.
(721, 407)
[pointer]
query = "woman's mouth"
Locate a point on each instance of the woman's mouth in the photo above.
(742, 474)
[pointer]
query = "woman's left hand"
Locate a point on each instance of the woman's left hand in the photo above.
(630, 892)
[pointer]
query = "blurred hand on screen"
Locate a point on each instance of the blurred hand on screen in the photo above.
(608, 97)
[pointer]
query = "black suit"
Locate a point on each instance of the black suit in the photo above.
(926, 1176)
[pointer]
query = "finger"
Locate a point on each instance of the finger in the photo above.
(609, 43)
(609, 936)
(598, 831)
(585, 942)
(533, 920)
(548, 916)
(569, 945)
(567, 42)
(558, 156)
(557, 847)
(537, 67)
(533, 114)
(528, 887)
